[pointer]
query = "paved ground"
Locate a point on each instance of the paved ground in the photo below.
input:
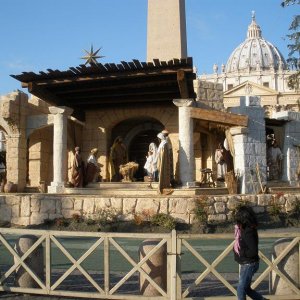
(209, 287)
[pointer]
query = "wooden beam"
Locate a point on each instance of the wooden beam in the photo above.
(111, 86)
(219, 117)
(118, 92)
(182, 83)
(115, 100)
(43, 94)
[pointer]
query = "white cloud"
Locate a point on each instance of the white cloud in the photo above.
(16, 65)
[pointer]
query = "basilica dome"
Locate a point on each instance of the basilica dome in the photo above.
(255, 53)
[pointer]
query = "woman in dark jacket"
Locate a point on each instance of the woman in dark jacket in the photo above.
(246, 251)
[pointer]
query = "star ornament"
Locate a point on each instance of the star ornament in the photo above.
(91, 56)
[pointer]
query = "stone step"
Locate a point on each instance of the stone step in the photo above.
(278, 183)
(122, 185)
(284, 189)
(31, 189)
(138, 192)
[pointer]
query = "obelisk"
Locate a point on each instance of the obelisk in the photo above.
(166, 30)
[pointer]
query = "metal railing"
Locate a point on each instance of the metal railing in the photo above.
(109, 264)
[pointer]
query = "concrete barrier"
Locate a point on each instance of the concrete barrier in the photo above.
(289, 266)
(155, 267)
(35, 261)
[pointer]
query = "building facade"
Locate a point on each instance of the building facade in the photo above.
(256, 68)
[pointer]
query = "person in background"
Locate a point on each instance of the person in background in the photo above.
(92, 167)
(151, 162)
(77, 169)
(118, 157)
(163, 164)
(274, 160)
(246, 251)
(165, 132)
(220, 156)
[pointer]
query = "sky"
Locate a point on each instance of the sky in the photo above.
(36, 35)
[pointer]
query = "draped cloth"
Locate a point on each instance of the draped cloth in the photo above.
(151, 162)
(237, 238)
(164, 166)
(92, 169)
(230, 143)
(77, 171)
(118, 157)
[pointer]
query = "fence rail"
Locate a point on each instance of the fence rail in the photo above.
(109, 265)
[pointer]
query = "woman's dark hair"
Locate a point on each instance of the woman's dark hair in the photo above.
(245, 216)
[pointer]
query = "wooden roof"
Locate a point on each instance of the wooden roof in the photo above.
(127, 83)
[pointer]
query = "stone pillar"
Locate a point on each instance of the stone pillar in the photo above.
(250, 146)
(16, 160)
(155, 267)
(60, 117)
(186, 142)
(289, 266)
(35, 261)
(14, 107)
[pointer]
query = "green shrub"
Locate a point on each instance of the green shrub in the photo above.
(61, 222)
(275, 209)
(163, 220)
(76, 218)
(90, 221)
(105, 216)
(200, 209)
(296, 209)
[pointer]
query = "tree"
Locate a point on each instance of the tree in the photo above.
(294, 47)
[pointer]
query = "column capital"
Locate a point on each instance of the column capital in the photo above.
(238, 130)
(55, 110)
(184, 102)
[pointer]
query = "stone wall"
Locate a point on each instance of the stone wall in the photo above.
(209, 93)
(31, 209)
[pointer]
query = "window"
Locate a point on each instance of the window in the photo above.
(229, 86)
(266, 84)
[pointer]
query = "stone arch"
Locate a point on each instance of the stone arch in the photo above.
(140, 128)
(40, 156)
(116, 116)
(5, 127)
(100, 127)
(137, 134)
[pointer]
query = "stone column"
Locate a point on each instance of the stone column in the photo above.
(60, 117)
(186, 142)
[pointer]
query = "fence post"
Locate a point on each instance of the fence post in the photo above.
(48, 262)
(106, 265)
(178, 268)
(173, 266)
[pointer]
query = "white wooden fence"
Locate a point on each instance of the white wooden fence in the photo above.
(103, 281)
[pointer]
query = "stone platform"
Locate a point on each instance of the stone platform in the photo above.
(278, 186)
(141, 189)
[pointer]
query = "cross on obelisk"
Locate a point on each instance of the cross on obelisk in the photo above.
(166, 30)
